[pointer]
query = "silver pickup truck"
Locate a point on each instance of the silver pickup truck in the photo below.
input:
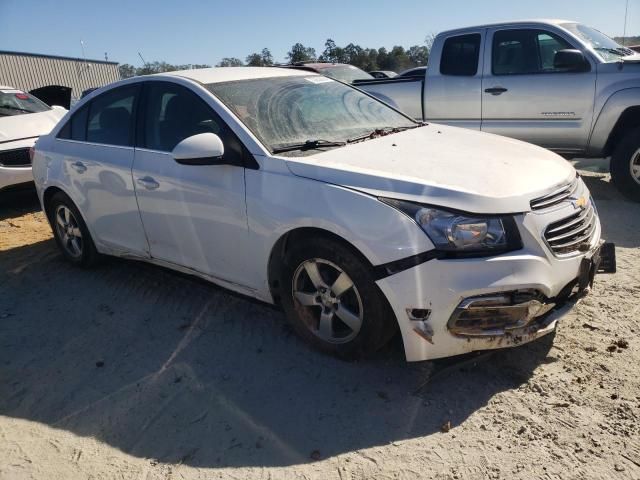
(558, 84)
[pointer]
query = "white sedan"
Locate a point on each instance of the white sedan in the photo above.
(23, 118)
(299, 190)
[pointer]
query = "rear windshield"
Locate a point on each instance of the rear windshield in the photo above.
(15, 102)
(345, 73)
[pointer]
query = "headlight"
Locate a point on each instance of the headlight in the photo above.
(462, 233)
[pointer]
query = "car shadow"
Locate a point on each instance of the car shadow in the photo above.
(619, 216)
(17, 202)
(167, 367)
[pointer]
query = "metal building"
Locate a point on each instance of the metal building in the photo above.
(55, 80)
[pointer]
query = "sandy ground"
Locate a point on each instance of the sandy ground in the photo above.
(130, 371)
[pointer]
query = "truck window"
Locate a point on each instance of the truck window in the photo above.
(460, 55)
(520, 52)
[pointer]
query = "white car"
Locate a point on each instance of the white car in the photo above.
(23, 118)
(299, 190)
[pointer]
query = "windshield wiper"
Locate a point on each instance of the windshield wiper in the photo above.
(11, 107)
(614, 51)
(308, 145)
(381, 132)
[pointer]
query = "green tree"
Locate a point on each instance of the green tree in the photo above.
(230, 62)
(332, 53)
(262, 59)
(127, 71)
(418, 55)
(300, 53)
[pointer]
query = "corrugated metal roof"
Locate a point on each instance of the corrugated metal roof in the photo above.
(27, 71)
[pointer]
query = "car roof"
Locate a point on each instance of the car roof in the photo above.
(548, 21)
(230, 74)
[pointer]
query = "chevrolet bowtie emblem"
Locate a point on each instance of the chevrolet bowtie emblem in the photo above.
(580, 202)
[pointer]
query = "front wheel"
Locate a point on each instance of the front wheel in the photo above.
(625, 165)
(331, 299)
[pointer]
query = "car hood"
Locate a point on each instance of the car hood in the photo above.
(29, 125)
(445, 166)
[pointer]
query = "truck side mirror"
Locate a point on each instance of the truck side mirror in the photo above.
(571, 60)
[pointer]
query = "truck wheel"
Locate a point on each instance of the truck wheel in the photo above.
(70, 231)
(332, 301)
(625, 165)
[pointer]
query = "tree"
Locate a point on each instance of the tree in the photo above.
(332, 53)
(230, 62)
(127, 71)
(262, 59)
(267, 58)
(300, 53)
(418, 55)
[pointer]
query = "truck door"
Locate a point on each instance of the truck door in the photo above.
(526, 97)
(453, 83)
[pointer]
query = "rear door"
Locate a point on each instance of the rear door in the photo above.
(526, 97)
(452, 89)
(96, 144)
(194, 215)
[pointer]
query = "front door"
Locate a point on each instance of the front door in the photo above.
(194, 215)
(526, 97)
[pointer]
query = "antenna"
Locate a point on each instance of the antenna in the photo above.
(143, 60)
(624, 31)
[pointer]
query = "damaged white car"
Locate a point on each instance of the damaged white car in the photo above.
(23, 118)
(300, 190)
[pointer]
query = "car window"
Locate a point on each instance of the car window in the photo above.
(110, 117)
(76, 126)
(518, 52)
(460, 55)
(173, 113)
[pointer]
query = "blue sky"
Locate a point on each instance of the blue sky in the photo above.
(199, 31)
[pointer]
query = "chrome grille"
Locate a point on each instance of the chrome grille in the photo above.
(15, 158)
(555, 197)
(573, 233)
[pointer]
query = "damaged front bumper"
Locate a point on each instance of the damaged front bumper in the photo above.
(451, 307)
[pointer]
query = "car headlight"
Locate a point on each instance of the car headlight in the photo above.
(462, 233)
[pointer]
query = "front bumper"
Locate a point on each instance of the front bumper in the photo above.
(10, 176)
(436, 289)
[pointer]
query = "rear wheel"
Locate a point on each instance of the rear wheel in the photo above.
(70, 231)
(625, 165)
(331, 299)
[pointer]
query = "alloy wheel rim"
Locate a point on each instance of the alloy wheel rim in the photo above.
(68, 231)
(327, 300)
(634, 166)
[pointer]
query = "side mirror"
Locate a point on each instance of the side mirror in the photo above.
(201, 149)
(571, 61)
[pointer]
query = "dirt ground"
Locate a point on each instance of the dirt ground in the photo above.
(130, 371)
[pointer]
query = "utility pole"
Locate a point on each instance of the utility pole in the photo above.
(624, 30)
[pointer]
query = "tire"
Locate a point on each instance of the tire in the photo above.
(70, 231)
(361, 319)
(626, 157)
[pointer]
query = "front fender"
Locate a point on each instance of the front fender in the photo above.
(278, 204)
(606, 120)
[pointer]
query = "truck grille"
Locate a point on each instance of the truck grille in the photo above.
(554, 198)
(573, 233)
(15, 158)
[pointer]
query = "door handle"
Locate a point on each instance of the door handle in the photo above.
(495, 90)
(79, 167)
(148, 183)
